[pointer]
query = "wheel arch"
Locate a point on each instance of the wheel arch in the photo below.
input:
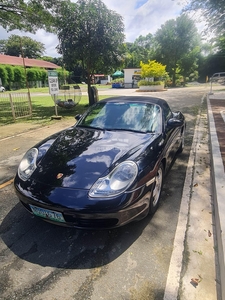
(163, 161)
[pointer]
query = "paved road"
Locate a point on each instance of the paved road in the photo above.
(42, 261)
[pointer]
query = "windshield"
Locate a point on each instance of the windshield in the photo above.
(132, 116)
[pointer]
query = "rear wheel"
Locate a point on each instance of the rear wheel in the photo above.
(156, 191)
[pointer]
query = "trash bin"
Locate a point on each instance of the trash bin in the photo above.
(94, 95)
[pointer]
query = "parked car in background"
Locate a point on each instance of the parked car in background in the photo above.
(105, 171)
(2, 89)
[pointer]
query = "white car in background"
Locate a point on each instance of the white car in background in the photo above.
(2, 89)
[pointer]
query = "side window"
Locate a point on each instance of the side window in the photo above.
(167, 112)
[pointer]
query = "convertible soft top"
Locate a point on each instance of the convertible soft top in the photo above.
(145, 99)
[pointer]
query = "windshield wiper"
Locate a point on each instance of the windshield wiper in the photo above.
(127, 129)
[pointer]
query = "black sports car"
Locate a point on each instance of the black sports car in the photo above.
(105, 171)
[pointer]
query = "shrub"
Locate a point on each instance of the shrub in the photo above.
(19, 77)
(149, 83)
(152, 69)
(62, 75)
(3, 75)
(118, 80)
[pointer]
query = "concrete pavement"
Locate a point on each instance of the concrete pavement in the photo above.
(200, 272)
(193, 267)
(216, 109)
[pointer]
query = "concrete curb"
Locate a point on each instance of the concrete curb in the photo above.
(191, 234)
(218, 178)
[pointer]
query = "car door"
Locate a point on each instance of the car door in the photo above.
(170, 135)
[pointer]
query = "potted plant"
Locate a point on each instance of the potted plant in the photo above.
(118, 83)
(152, 74)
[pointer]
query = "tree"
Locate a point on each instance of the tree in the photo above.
(175, 39)
(2, 46)
(29, 15)
(23, 46)
(143, 49)
(212, 10)
(214, 16)
(91, 35)
(144, 41)
(55, 60)
(188, 65)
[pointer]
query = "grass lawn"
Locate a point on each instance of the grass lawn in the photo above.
(43, 107)
(83, 88)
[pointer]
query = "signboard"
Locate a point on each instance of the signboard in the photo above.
(53, 82)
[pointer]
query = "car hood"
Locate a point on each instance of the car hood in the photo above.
(78, 157)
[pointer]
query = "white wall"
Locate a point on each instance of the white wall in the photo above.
(128, 73)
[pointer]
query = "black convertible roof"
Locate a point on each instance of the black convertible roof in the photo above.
(145, 99)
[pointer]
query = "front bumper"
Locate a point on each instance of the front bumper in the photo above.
(80, 212)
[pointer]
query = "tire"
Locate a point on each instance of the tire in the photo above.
(156, 190)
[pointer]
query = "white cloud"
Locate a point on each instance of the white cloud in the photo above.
(143, 17)
(140, 18)
(50, 41)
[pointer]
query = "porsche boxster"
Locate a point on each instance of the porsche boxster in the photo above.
(108, 169)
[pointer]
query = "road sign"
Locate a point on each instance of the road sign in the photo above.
(53, 82)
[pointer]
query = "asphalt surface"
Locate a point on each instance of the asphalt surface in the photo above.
(193, 271)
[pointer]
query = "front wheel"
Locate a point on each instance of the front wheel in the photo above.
(156, 190)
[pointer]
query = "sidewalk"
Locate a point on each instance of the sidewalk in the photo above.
(16, 128)
(216, 117)
(193, 271)
(12, 151)
(201, 273)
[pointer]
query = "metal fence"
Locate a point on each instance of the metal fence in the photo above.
(217, 78)
(14, 106)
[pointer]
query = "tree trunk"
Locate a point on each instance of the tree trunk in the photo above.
(90, 93)
(174, 78)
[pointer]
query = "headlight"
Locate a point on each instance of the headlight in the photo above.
(28, 164)
(115, 182)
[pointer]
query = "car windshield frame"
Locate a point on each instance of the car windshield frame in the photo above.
(132, 116)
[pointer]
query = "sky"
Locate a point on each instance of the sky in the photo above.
(140, 17)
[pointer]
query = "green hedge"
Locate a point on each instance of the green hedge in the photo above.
(13, 77)
(147, 83)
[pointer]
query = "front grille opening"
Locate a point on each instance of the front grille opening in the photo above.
(91, 223)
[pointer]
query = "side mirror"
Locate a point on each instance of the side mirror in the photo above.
(174, 123)
(77, 117)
